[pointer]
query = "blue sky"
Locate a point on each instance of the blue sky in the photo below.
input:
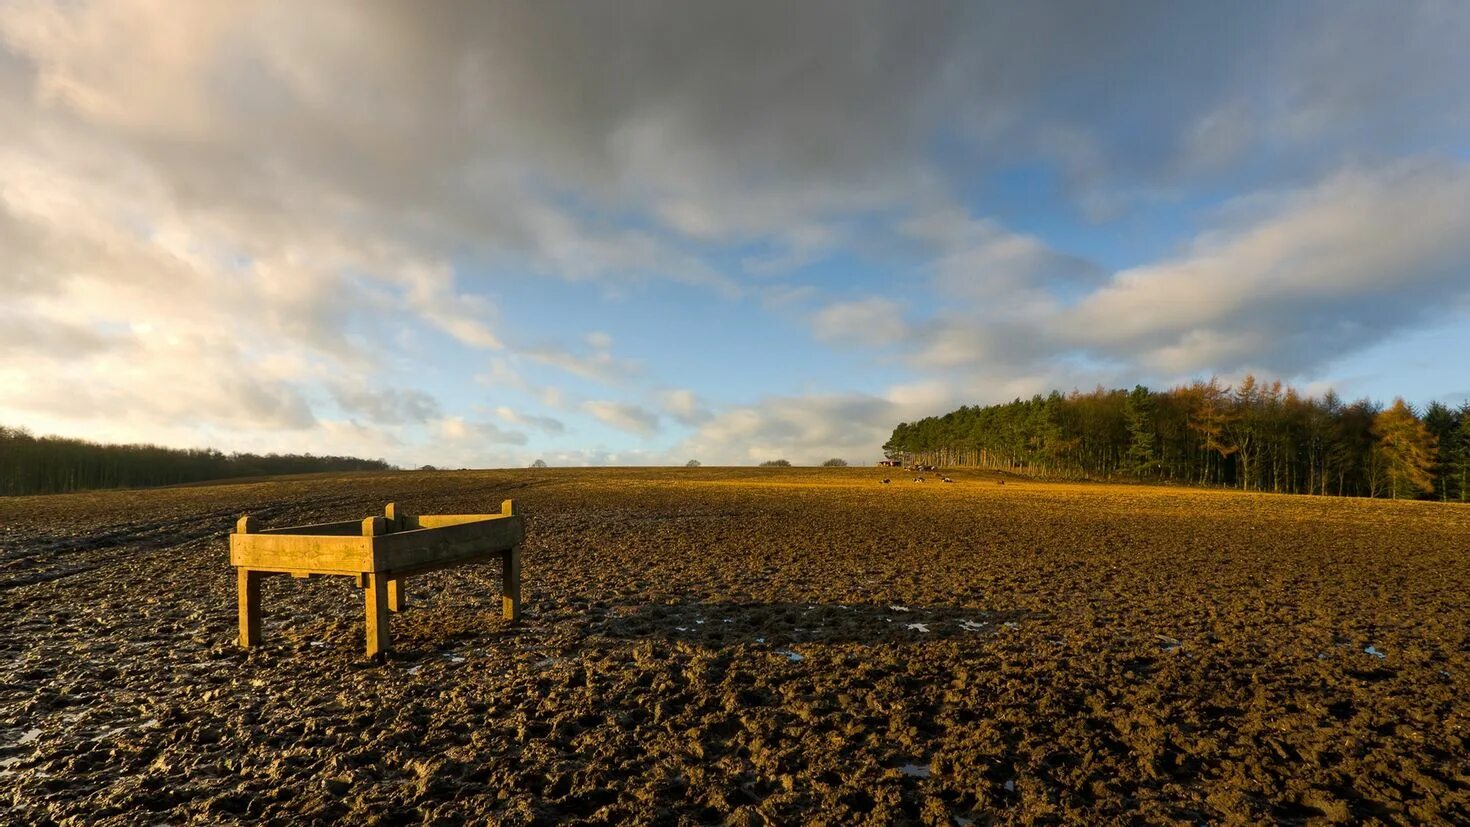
(479, 235)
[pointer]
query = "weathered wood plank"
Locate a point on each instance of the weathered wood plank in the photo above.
(397, 595)
(419, 521)
(267, 571)
(419, 547)
(346, 528)
(507, 509)
(302, 552)
(490, 555)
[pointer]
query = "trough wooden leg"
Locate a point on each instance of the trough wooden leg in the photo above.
(510, 584)
(379, 640)
(397, 595)
(249, 587)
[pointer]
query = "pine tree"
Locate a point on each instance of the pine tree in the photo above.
(1139, 411)
(1460, 455)
(1443, 424)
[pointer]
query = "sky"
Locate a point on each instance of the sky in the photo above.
(481, 234)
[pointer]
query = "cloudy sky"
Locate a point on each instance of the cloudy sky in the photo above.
(642, 232)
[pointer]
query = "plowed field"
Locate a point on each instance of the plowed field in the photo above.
(749, 646)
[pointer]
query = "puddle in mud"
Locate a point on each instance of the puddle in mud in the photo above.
(915, 770)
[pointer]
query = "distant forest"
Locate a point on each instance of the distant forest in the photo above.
(53, 465)
(1253, 436)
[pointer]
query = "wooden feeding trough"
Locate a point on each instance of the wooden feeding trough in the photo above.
(381, 552)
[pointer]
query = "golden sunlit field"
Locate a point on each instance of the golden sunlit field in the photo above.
(749, 646)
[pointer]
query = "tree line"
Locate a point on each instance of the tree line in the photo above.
(1255, 436)
(53, 465)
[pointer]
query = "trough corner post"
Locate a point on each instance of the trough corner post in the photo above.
(507, 507)
(390, 513)
(375, 594)
(247, 584)
(379, 639)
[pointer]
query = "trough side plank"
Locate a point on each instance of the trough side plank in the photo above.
(301, 552)
(411, 549)
(466, 560)
(346, 528)
(446, 520)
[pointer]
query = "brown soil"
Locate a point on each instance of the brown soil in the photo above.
(749, 646)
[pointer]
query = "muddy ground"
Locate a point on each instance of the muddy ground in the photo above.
(749, 646)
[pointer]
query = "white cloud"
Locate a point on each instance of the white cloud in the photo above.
(979, 260)
(598, 364)
(684, 406)
(550, 425)
(1295, 278)
(807, 430)
(387, 406)
(624, 416)
(1282, 283)
(875, 322)
(456, 429)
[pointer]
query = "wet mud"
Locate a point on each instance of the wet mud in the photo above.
(709, 646)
